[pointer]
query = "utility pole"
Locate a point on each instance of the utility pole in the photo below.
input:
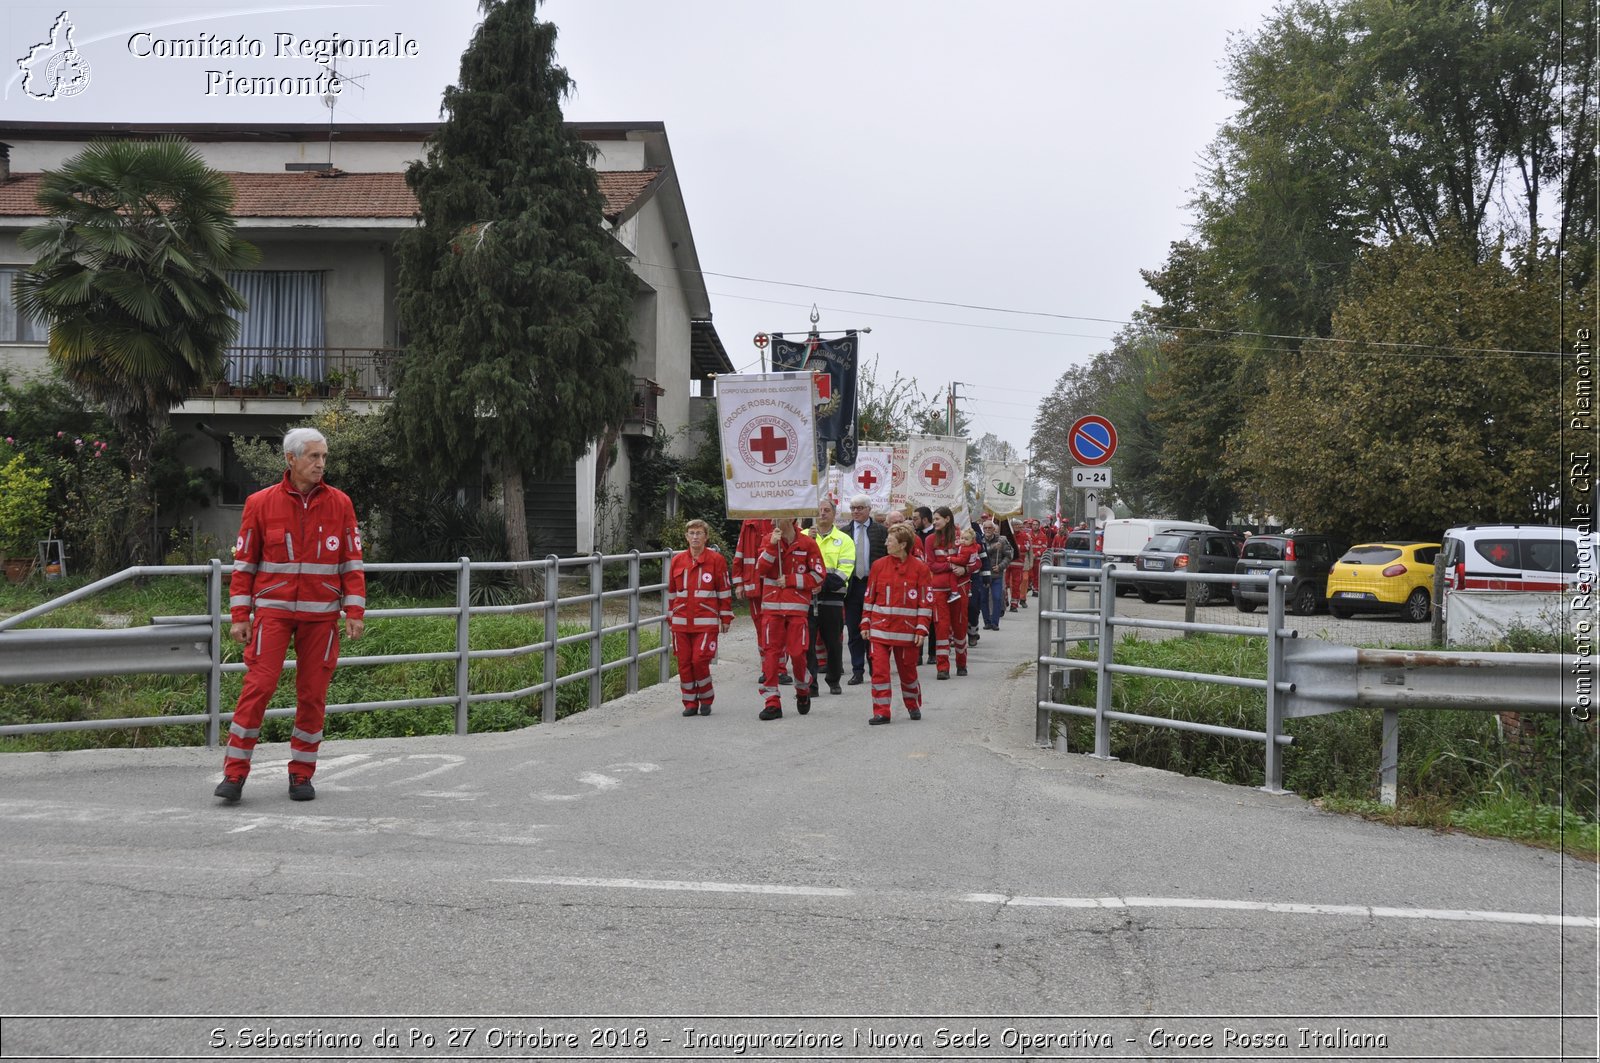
(950, 408)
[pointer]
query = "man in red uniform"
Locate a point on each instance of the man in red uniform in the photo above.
(296, 562)
(753, 536)
(895, 619)
(699, 604)
(791, 570)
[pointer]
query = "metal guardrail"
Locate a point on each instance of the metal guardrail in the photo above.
(193, 644)
(1303, 679)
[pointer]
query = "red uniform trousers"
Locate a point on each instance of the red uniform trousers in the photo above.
(316, 651)
(1016, 582)
(950, 623)
(1033, 572)
(787, 633)
(906, 657)
(695, 650)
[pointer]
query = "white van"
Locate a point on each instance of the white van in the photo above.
(1516, 557)
(1121, 540)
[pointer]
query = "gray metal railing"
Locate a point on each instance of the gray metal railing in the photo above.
(193, 644)
(1302, 679)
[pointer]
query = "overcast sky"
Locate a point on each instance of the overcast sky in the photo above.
(1029, 156)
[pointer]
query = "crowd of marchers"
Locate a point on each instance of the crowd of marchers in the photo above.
(885, 587)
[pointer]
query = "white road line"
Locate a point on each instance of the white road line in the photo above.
(1287, 908)
(1119, 903)
(690, 887)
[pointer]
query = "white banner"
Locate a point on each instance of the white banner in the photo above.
(837, 480)
(899, 466)
(767, 426)
(1002, 487)
(873, 472)
(936, 472)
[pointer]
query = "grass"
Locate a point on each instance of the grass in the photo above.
(133, 696)
(1456, 771)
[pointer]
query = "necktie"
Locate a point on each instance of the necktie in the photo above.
(863, 549)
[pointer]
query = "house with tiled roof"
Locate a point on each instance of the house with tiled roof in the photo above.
(325, 206)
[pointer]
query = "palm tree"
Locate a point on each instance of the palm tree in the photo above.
(131, 273)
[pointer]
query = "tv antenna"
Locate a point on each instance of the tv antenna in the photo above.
(330, 100)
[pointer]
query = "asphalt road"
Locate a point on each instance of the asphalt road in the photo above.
(628, 873)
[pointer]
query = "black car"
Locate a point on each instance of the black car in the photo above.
(1215, 551)
(1307, 558)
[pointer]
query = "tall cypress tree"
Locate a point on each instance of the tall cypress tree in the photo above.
(516, 303)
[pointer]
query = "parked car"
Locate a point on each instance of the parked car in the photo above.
(1388, 577)
(1215, 551)
(1122, 539)
(1306, 558)
(1515, 557)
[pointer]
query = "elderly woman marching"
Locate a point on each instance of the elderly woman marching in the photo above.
(699, 605)
(895, 617)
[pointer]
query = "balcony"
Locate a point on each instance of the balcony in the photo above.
(302, 373)
(641, 419)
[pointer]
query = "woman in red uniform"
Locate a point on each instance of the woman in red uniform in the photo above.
(895, 616)
(944, 562)
(699, 606)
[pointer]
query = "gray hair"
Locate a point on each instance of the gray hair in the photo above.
(297, 438)
(860, 500)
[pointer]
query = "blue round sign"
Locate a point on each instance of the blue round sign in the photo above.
(1092, 440)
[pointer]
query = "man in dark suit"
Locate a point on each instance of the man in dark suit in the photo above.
(870, 538)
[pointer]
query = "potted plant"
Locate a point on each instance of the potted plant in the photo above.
(336, 381)
(300, 387)
(256, 383)
(277, 384)
(24, 516)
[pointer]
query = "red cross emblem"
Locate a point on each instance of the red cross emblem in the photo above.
(1499, 553)
(866, 479)
(936, 474)
(768, 445)
(760, 340)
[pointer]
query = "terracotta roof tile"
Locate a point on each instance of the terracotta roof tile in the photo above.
(350, 195)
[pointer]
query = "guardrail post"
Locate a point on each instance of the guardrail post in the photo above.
(463, 640)
(633, 622)
(552, 611)
(1273, 781)
(1102, 689)
(1060, 681)
(1389, 764)
(597, 620)
(664, 628)
(214, 676)
(1041, 682)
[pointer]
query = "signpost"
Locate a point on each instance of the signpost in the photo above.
(1092, 440)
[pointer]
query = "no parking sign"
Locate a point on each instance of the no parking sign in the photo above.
(1092, 440)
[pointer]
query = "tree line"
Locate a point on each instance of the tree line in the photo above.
(1393, 246)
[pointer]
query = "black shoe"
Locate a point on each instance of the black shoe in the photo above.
(771, 712)
(705, 710)
(691, 711)
(942, 675)
(1013, 607)
(974, 638)
(915, 714)
(301, 790)
(784, 679)
(229, 789)
(876, 720)
(833, 687)
(960, 670)
(1024, 603)
(854, 680)
(802, 703)
(1036, 594)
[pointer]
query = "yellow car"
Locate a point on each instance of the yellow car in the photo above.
(1394, 577)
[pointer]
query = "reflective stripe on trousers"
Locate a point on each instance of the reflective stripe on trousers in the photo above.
(316, 644)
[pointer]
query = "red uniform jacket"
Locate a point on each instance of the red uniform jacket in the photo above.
(939, 559)
(967, 556)
(790, 575)
(753, 536)
(298, 556)
(899, 602)
(699, 594)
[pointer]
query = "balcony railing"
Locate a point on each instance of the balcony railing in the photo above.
(645, 393)
(305, 372)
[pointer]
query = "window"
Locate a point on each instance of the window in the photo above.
(1217, 546)
(1499, 552)
(14, 327)
(1426, 554)
(281, 330)
(1371, 555)
(1550, 555)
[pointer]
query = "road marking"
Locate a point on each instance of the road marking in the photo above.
(688, 887)
(1288, 908)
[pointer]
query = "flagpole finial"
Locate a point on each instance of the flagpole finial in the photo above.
(815, 316)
